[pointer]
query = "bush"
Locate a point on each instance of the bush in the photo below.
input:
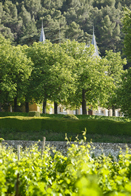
(34, 113)
(61, 125)
(3, 114)
(70, 116)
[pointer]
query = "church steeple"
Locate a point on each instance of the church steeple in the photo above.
(94, 43)
(42, 35)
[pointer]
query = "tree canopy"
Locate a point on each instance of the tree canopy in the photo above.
(68, 73)
(63, 70)
(63, 19)
(126, 20)
(124, 93)
(15, 70)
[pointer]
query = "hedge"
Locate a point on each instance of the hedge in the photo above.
(65, 125)
(113, 118)
(34, 113)
(4, 114)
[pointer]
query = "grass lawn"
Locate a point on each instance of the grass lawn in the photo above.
(54, 136)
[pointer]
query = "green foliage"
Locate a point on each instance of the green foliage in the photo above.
(73, 19)
(124, 93)
(114, 64)
(51, 77)
(1, 139)
(15, 71)
(67, 74)
(34, 114)
(3, 114)
(76, 173)
(58, 116)
(70, 116)
(126, 20)
(89, 75)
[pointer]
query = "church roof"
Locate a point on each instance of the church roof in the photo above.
(42, 35)
(94, 43)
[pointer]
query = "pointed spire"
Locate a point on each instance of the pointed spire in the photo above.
(94, 43)
(42, 35)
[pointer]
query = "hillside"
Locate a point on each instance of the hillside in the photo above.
(73, 19)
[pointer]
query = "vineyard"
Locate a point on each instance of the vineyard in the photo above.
(35, 172)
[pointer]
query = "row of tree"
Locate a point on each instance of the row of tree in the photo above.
(64, 19)
(125, 86)
(68, 73)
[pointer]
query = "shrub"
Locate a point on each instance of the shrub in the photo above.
(3, 114)
(70, 116)
(34, 113)
(65, 125)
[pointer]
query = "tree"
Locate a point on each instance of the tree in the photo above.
(7, 87)
(29, 33)
(115, 70)
(15, 70)
(22, 73)
(49, 4)
(126, 21)
(62, 19)
(125, 3)
(91, 80)
(8, 20)
(109, 30)
(54, 25)
(51, 77)
(70, 4)
(101, 3)
(33, 6)
(62, 78)
(39, 85)
(74, 31)
(124, 93)
(28, 28)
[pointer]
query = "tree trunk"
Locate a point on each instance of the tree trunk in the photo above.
(15, 104)
(113, 110)
(84, 111)
(55, 108)
(108, 112)
(76, 112)
(26, 106)
(44, 107)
